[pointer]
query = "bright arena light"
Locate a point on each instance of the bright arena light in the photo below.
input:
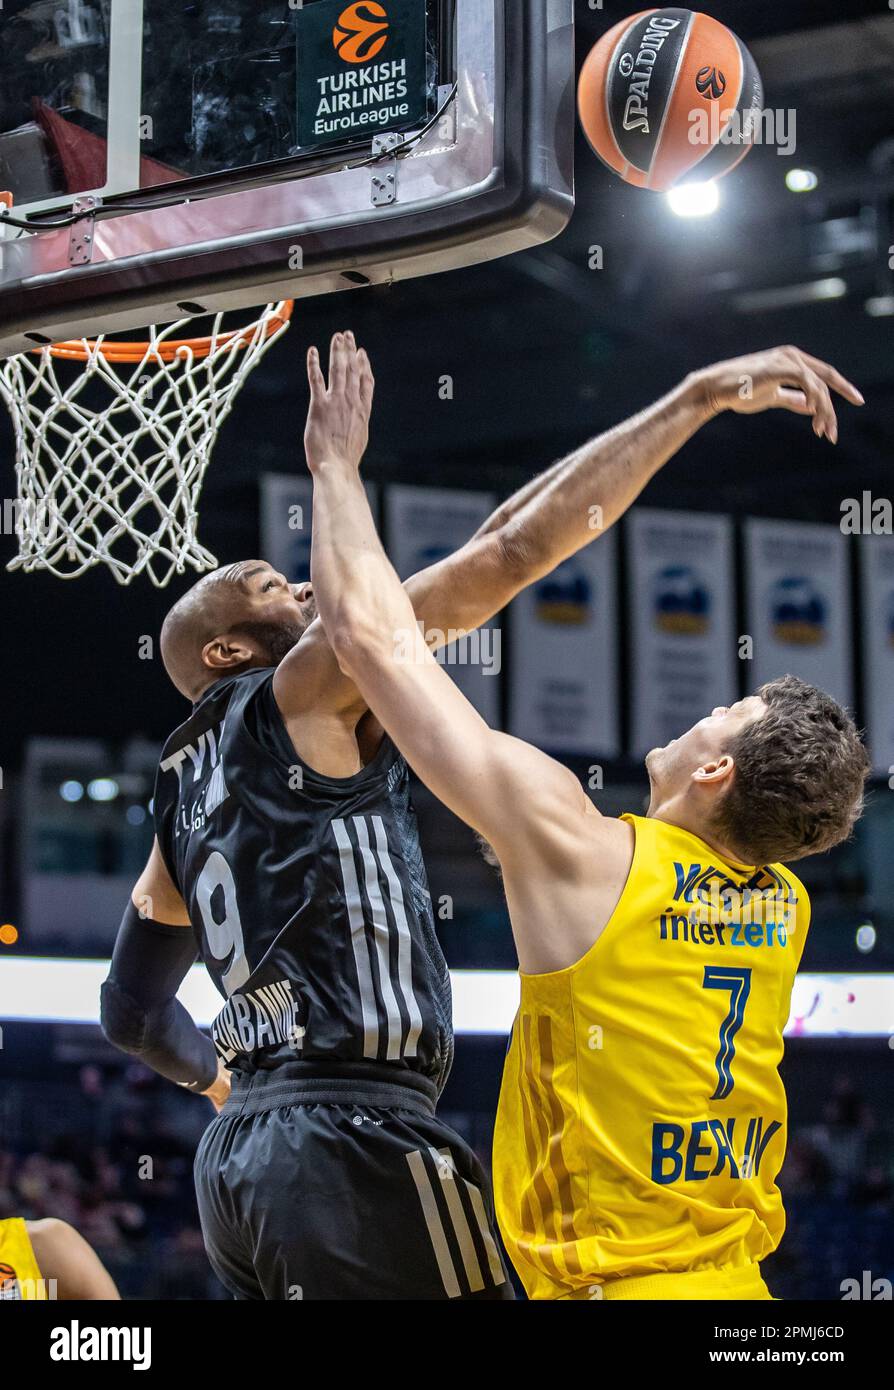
(694, 199)
(801, 181)
(102, 789)
(71, 791)
(866, 939)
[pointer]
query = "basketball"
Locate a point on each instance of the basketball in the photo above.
(669, 93)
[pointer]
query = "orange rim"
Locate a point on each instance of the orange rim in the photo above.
(80, 349)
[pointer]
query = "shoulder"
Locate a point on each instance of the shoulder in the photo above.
(49, 1236)
(558, 821)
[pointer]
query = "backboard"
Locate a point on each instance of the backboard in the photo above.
(175, 157)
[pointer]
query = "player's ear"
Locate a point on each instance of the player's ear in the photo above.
(717, 770)
(226, 654)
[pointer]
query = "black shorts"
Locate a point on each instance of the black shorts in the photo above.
(344, 1189)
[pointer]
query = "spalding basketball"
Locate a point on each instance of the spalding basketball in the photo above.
(670, 93)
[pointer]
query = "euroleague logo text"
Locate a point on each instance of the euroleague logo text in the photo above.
(361, 32)
(373, 76)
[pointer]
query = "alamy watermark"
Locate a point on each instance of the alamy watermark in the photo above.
(483, 648)
(710, 126)
(867, 516)
(24, 517)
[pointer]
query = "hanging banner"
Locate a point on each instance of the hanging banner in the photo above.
(564, 670)
(799, 605)
(682, 605)
(286, 515)
(423, 525)
(877, 581)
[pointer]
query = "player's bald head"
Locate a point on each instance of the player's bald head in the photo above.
(205, 611)
(241, 617)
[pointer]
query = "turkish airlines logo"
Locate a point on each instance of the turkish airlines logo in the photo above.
(361, 32)
(711, 83)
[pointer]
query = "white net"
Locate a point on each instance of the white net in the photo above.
(112, 445)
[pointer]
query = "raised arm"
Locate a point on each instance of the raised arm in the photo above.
(548, 842)
(558, 514)
(582, 496)
(372, 626)
(476, 772)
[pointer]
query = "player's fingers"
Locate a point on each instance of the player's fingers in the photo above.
(827, 418)
(367, 380)
(337, 363)
(315, 373)
(352, 368)
(834, 379)
(787, 398)
(800, 398)
(825, 421)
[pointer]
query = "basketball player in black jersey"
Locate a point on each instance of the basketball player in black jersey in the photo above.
(287, 857)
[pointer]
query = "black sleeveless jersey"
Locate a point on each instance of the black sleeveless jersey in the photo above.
(308, 894)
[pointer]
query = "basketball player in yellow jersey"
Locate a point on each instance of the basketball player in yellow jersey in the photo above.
(642, 1120)
(46, 1259)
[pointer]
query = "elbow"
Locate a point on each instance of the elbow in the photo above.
(521, 559)
(356, 644)
(348, 647)
(122, 1021)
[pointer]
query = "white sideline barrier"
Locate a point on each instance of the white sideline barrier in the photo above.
(40, 990)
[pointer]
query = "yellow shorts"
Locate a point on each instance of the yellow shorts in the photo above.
(744, 1284)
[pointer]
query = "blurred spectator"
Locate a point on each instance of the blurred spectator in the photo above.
(122, 1177)
(117, 1164)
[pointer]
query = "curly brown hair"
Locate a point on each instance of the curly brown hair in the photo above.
(800, 777)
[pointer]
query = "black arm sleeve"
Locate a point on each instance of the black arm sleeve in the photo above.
(138, 1010)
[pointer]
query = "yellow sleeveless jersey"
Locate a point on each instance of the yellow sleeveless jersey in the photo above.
(642, 1118)
(20, 1277)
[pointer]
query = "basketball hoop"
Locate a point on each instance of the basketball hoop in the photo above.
(118, 482)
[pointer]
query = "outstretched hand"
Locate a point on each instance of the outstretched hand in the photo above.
(338, 419)
(782, 379)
